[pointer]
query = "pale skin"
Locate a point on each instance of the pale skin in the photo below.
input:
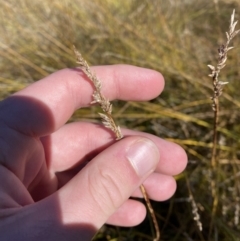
(47, 190)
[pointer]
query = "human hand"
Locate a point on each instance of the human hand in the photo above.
(47, 191)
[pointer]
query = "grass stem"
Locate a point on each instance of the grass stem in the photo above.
(109, 122)
(217, 91)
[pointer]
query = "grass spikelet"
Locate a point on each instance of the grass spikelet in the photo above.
(105, 104)
(195, 212)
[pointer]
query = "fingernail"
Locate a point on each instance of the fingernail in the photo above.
(144, 156)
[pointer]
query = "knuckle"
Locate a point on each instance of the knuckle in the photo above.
(105, 189)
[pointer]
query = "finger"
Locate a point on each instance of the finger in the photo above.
(131, 213)
(159, 187)
(47, 104)
(76, 143)
(107, 181)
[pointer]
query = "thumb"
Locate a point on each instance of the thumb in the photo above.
(103, 185)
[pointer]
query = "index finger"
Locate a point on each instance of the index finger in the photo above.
(62, 92)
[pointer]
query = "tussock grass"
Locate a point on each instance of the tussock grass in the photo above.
(177, 38)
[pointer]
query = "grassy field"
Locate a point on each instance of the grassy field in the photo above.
(177, 38)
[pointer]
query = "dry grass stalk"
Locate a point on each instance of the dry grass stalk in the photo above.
(109, 122)
(217, 84)
(151, 211)
(217, 91)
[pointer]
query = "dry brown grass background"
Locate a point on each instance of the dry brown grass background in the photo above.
(177, 38)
